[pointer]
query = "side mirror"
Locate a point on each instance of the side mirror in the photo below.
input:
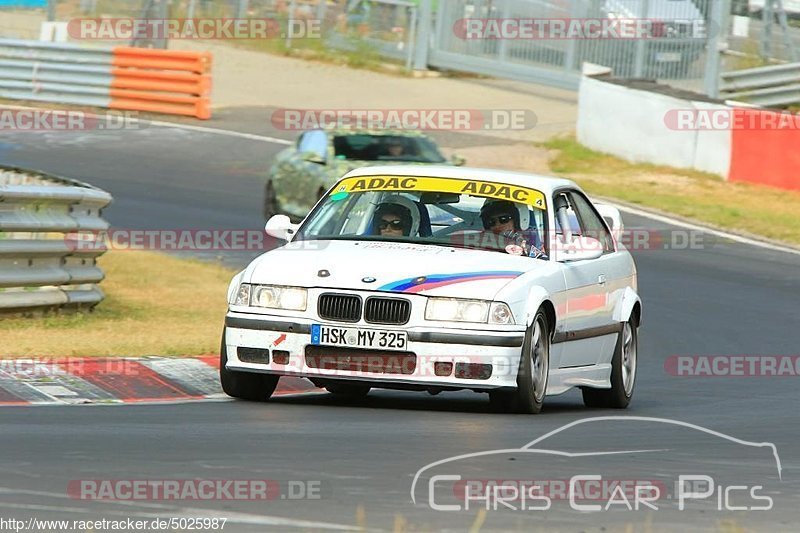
(280, 227)
(458, 160)
(613, 218)
(578, 249)
(313, 157)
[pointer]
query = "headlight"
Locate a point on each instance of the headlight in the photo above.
(274, 297)
(456, 310)
(459, 310)
(271, 296)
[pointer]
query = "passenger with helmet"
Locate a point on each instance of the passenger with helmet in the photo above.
(395, 216)
(512, 221)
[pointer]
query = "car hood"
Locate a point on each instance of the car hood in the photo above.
(391, 267)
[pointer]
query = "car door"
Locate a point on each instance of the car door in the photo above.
(587, 329)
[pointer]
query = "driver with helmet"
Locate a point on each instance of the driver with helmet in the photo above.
(512, 221)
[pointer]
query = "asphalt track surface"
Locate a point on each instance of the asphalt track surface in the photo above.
(722, 299)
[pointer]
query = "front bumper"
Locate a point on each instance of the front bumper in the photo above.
(469, 351)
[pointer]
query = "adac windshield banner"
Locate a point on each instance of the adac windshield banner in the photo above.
(484, 189)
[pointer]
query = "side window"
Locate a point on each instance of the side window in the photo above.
(591, 223)
(314, 141)
(572, 216)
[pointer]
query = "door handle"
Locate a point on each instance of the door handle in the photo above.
(601, 279)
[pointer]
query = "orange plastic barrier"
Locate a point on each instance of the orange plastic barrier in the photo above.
(764, 155)
(161, 81)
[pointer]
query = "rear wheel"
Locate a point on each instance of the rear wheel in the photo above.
(244, 385)
(534, 368)
(270, 201)
(623, 372)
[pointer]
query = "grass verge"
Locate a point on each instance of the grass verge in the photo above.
(361, 56)
(155, 305)
(706, 198)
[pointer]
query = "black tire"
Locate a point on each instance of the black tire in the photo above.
(350, 390)
(623, 373)
(529, 395)
(271, 207)
(244, 385)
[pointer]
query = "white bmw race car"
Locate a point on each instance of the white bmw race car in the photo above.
(439, 278)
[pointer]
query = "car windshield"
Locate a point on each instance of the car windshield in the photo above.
(364, 147)
(437, 211)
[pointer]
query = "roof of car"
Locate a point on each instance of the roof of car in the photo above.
(344, 131)
(545, 184)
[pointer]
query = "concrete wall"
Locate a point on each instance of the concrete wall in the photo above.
(640, 126)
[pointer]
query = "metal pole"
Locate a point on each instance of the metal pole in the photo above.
(192, 6)
(641, 48)
(423, 34)
(502, 51)
(242, 11)
(321, 10)
(412, 32)
(717, 42)
(787, 38)
(51, 10)
(290, 24)
(766, 32)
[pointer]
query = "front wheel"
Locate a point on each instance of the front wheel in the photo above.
(534, 369)
(623, 372)
(244, 385)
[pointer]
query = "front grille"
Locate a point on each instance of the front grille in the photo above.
(379, 310)
(341, 307)
(361, 361)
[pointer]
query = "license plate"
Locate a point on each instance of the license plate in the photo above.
(668, 57)
(358, 337)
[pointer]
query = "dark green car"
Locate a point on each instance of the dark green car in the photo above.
(303, 172)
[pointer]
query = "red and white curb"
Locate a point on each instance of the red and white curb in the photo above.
(118, 380)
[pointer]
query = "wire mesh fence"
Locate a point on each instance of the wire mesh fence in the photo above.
(761, 33)
(674, 50)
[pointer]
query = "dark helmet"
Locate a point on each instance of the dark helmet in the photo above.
(492, 208)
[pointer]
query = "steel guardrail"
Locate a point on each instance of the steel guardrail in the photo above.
(41, 268)
(773, 85)
(120, 77)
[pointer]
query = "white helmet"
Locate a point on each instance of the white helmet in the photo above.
(406, 204)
